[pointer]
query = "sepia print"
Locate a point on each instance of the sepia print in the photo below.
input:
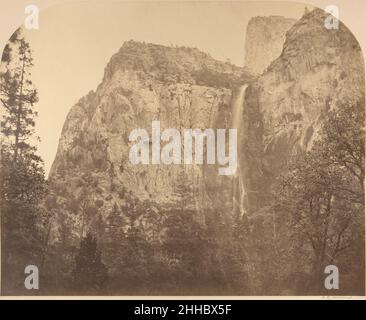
(182, 149)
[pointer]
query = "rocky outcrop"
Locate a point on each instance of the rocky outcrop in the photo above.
(93, 185)
(180, 87)
(317, 70)
(264, 41)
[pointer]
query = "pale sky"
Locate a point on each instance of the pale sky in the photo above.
(75, 42)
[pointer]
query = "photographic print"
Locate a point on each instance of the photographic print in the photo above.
(182, 148)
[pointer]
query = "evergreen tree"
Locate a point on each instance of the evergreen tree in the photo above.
(90, 275)
(22, 181)
(18, 97)
(186, 242)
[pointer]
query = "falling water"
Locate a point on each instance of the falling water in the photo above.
(238, 183)
(238, 107)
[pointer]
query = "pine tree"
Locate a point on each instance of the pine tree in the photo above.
(90, 275)
(186, 242)
(127, 251)
(22, 181)
(18, 98)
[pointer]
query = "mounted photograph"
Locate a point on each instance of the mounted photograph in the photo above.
(182, 148)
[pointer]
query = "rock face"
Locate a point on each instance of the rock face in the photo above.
(282, 110)
(317, 70)
(186, 88)
(180, 87)
(264, 41)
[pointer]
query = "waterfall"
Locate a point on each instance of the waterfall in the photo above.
(238, 182)
(237, 107)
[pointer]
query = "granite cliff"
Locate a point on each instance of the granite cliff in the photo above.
(180, 87)
(264, 41)
(303, 71)
(317, 69)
